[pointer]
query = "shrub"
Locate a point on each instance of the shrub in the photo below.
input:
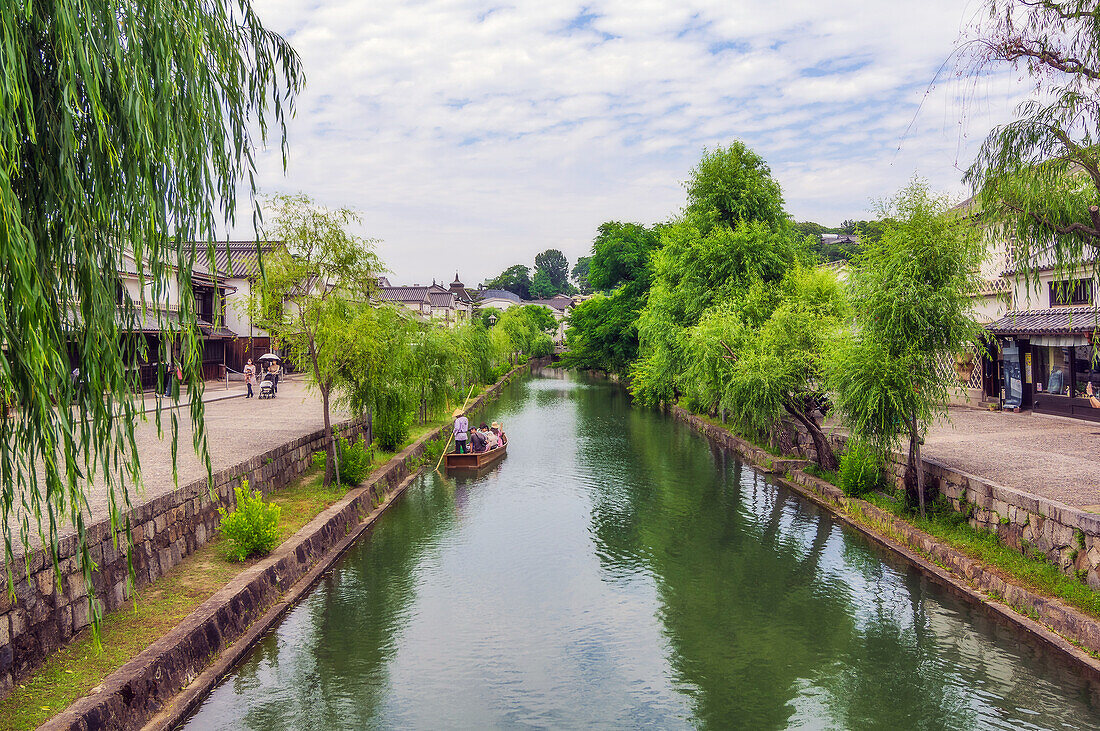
(500, 370)
(253, 528)
(860, 470)
(355, 461)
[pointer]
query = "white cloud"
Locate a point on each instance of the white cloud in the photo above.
(472, 135)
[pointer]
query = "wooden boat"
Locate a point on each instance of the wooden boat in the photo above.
(475, 460)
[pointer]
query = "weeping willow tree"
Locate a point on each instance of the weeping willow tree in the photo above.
(125, 129)
(1037, 178)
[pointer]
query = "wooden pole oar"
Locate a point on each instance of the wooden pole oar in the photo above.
(448, 445)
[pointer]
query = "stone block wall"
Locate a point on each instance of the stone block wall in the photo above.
(1067, 537)
(165, 530)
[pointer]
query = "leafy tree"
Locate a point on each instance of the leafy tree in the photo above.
(555, 266)
(733, 184)
(695, 272)
(104, 155)
(602, 334)
(777, 369)
(909, 293)
(515, 279)
(540, 317)
(809, 228)
(541, 286)
(580, 275)
(310, 289)
(1037, 178)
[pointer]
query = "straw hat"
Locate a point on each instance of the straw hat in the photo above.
(457, 413)
(496, 425)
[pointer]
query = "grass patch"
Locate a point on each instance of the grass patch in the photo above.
(821, 473)
(71, 672)
(1031, 572)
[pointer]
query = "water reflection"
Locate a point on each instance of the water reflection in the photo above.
(615, 571)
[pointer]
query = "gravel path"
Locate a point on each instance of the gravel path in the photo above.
(1055, 457)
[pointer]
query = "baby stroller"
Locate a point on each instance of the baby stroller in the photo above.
(267, 388)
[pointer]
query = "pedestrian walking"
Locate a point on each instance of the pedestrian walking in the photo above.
(249, 376)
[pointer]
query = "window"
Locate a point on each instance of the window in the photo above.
(1051, 369)
(1071, 292)
(1086, 370)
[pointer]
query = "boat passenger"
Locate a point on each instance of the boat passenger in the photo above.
(491, 439)
(499, 431)
(477, 441)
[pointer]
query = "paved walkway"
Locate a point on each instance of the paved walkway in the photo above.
(236, 429)
(1054, 457)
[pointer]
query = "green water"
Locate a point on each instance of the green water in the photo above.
(615, 572)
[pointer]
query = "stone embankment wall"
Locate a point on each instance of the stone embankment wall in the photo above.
(162, 684)
(1055, 623)
(1069, 538)
(165, 530)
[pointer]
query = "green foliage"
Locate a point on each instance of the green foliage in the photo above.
(355, 460)
(541, 286)
(554, 267)
(515, 279)
(602, 334)
(485, 313)
(392, 418)
(733, 248)
(253, 528)
(909, 293)
(109, 163)
(860, 470)
(580, 275)
(731, 185)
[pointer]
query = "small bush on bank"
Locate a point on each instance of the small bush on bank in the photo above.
(355, 461)
(500, 370)
(860, 470)
(253, 528)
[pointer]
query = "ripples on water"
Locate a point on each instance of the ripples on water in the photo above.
(616, 571)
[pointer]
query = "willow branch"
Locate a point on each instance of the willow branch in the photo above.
(1013, 49)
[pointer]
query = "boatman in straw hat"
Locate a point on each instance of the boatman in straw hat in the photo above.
(462, 427)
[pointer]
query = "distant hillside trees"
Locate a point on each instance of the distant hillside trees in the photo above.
(549, 277)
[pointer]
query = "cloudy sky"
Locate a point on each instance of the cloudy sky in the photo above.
(473, 135)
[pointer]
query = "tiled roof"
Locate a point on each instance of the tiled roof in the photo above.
(209, 330)
(1053, 320)
(239, 258)
(403, 294)
(500, 294)
(441, 299)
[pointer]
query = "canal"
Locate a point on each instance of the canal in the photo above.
(615, 571)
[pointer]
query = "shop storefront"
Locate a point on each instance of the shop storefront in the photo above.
(1046, 360)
